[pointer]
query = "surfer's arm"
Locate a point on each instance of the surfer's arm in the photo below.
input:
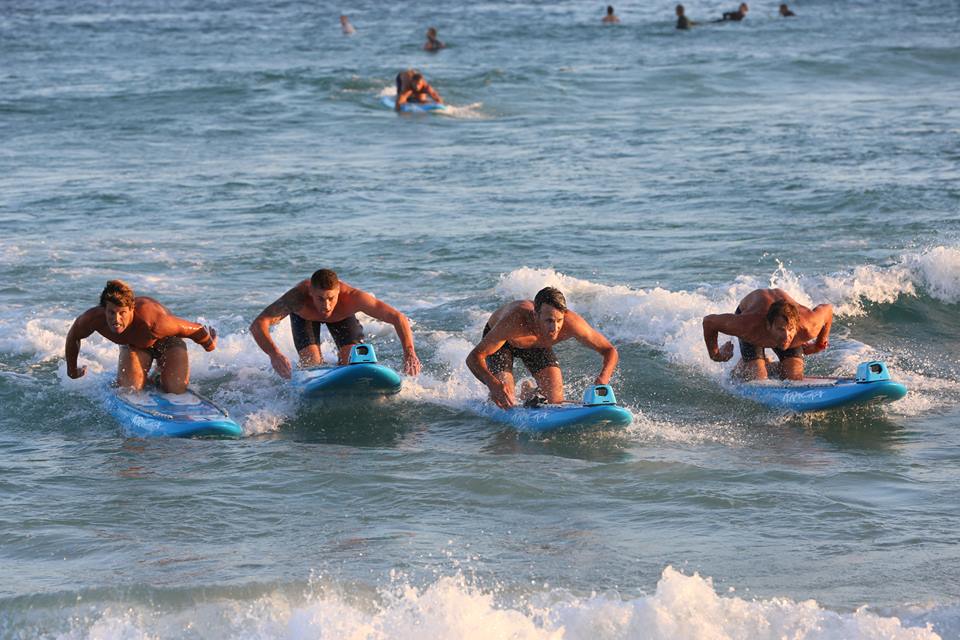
(501, 394)
(587, 335)
(825, 311)
(169, 325)
(433, 94)
(288, 303)
(402, 98)
(385, 313)
(81, 328)
(713, 325)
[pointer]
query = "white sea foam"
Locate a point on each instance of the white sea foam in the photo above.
(682, 606)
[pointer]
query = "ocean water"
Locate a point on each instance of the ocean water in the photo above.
(214, 153)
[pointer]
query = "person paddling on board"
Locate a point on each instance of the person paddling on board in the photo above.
(146, 332)
(735, 16)
(325, 299)
(769, 318)
(611, 17)
(433, 43)
(528, 330)
(683, 22)
(411, 87)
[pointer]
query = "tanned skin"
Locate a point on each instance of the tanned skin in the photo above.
(415, 92)
(518, 324)
(136, 329)
(328, 305)
(812, 332)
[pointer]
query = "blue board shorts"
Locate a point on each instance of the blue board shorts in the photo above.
(750, 351)
(535, 359)
(307, 332)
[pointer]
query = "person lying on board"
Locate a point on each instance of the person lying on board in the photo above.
(146, 332)
(433, 44)
(683, 22)
(769, 318)
(786, 13)
(611, 17)
(411, 87)
(528, 330)
(735, 16)
(326, 300)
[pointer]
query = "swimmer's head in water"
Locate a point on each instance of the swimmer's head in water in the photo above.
(680, 10)
(784, 9)
(432, 33)
(344, 20)
(609, 10)
(783, 320)
(549, 306)
(743, 7)
(324, 290)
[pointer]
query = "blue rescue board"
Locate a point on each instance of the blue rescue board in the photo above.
(871, 385)
(412, 107)
(363, 376)
(598, 412)
(147, 414)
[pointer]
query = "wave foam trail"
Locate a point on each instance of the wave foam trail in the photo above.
(682, 607)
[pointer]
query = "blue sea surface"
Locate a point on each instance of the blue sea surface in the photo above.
(212, 154)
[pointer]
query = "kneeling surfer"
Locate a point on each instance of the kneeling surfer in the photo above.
(411, 87)
(528, 329)
(146, 332)
(325, 299)
(769, 318)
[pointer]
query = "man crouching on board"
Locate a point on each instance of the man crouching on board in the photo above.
(769, 318)
(528, 330)
(324, 299)
(146, 331)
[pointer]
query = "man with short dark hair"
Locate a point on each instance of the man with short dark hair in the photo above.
(683, 22)
(769, 318)
(735, 16)
(433, 43)
(611, 17)
(411, 87)
(325, 299)
(528, 329)
(146, 332)
(785, 12)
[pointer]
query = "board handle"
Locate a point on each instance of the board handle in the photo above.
(874, 371)
(362, 354)
(599, 394)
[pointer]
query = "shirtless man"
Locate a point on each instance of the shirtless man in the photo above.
(433, 43)
(611, 17)
(325, 299)
(411, 87)
(683, 22)
(528, 330)
(786, 13)
(769, 318)
(146, 331)
(346, 27)
(735, 16)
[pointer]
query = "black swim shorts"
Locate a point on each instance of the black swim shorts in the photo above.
(307, 332)
(535, 359)
(750, 351)
(159, 348)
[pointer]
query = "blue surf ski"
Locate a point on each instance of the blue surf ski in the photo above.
(412, 107)
(872, 384)
(599, 411)
(152, 413)
(362, 376)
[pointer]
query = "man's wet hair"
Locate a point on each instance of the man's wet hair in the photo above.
(550, 296)
(415, 78)
(324, 279)
(783, 309)
(609, 10)
(119, 293)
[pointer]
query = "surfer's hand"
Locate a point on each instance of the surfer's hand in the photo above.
(815, 347)
(77, 373)
(281, 365)
(503, 396)
(411, 364)
(724, 353)
(212, 344)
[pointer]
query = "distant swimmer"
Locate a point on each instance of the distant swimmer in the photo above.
(735, 16)
(610, 18)
(433, 43)
(411, 87)
(769, 318)
(683, 22)
(346, 27)
(324, 299)
(146, 332)
(786, 13)
(528, 330)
